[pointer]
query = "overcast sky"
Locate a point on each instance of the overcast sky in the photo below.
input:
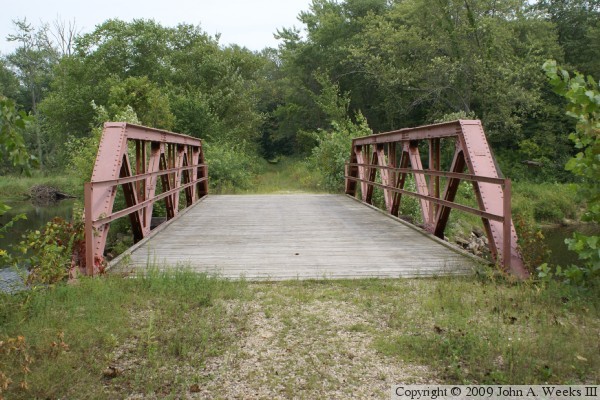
(249, 23)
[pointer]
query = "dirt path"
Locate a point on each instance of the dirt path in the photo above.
(305, 349)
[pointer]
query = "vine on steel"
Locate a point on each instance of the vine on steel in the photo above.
(383, 161)
(176, 159)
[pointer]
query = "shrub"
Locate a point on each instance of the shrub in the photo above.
(54, 251)
(333, 150)
(583, 104)
(230, 167)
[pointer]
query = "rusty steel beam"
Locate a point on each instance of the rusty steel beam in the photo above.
(436, 131)
(442, 174)
(352, 170)
(158, 154)
(400, 182)
(127, 211)
(434, 200)
(458, 165)
(146, 134)
(420, 181)
(472, 152)
(385, 177)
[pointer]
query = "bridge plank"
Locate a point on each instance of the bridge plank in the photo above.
(295, 236)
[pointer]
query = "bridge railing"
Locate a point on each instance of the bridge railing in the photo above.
(177, 160)
(383, 161)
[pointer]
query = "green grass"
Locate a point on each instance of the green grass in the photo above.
(546, 203)
(496, 333)
(163, 334)
(143, 327)
(17, 186)
(288, 175)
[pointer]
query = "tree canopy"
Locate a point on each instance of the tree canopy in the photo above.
(398, 63)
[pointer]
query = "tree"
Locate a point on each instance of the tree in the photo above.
(410, 63)
(12, 126)
(173, 78)
(331, 30)
(12, 150)
(145, 98)
(33, 61)
(9, 83)
(65, 33)
(578, 26)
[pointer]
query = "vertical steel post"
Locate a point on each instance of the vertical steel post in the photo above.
(434, 181)
(89, 230)
(438, 167)
(507, 223)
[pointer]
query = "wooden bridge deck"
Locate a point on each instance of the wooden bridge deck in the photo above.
(302, 236)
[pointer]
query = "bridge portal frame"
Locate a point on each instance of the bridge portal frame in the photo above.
(383, 160)
(178, 160)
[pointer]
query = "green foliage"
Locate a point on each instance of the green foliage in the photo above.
(143, 96)
(12, 125)
(33, 61)
(333, 148)
(13, 151)
(408, 63)
(334, 143)
(330, 101)
(82, 152)
(578, 25)
(531, 242)
(548, 203)
(456, 115)
(583, 96)
(52, 252)
(67, 326)
(413, 62)
(285, 175)
(9, 83)
(402, 63)
(173, 78)
(230, 166)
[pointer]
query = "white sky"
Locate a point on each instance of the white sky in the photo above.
(249, 23)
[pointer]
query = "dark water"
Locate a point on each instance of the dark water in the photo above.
(555, 240)
(37, 216)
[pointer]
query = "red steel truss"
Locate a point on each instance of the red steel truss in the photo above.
(176, 159)
(383, 161)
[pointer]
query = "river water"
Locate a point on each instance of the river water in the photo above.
(555, 236)
(38, 215)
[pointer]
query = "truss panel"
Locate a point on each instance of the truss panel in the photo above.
(174, 160)
(369, 167)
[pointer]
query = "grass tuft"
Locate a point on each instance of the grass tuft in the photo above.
(140, 330)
